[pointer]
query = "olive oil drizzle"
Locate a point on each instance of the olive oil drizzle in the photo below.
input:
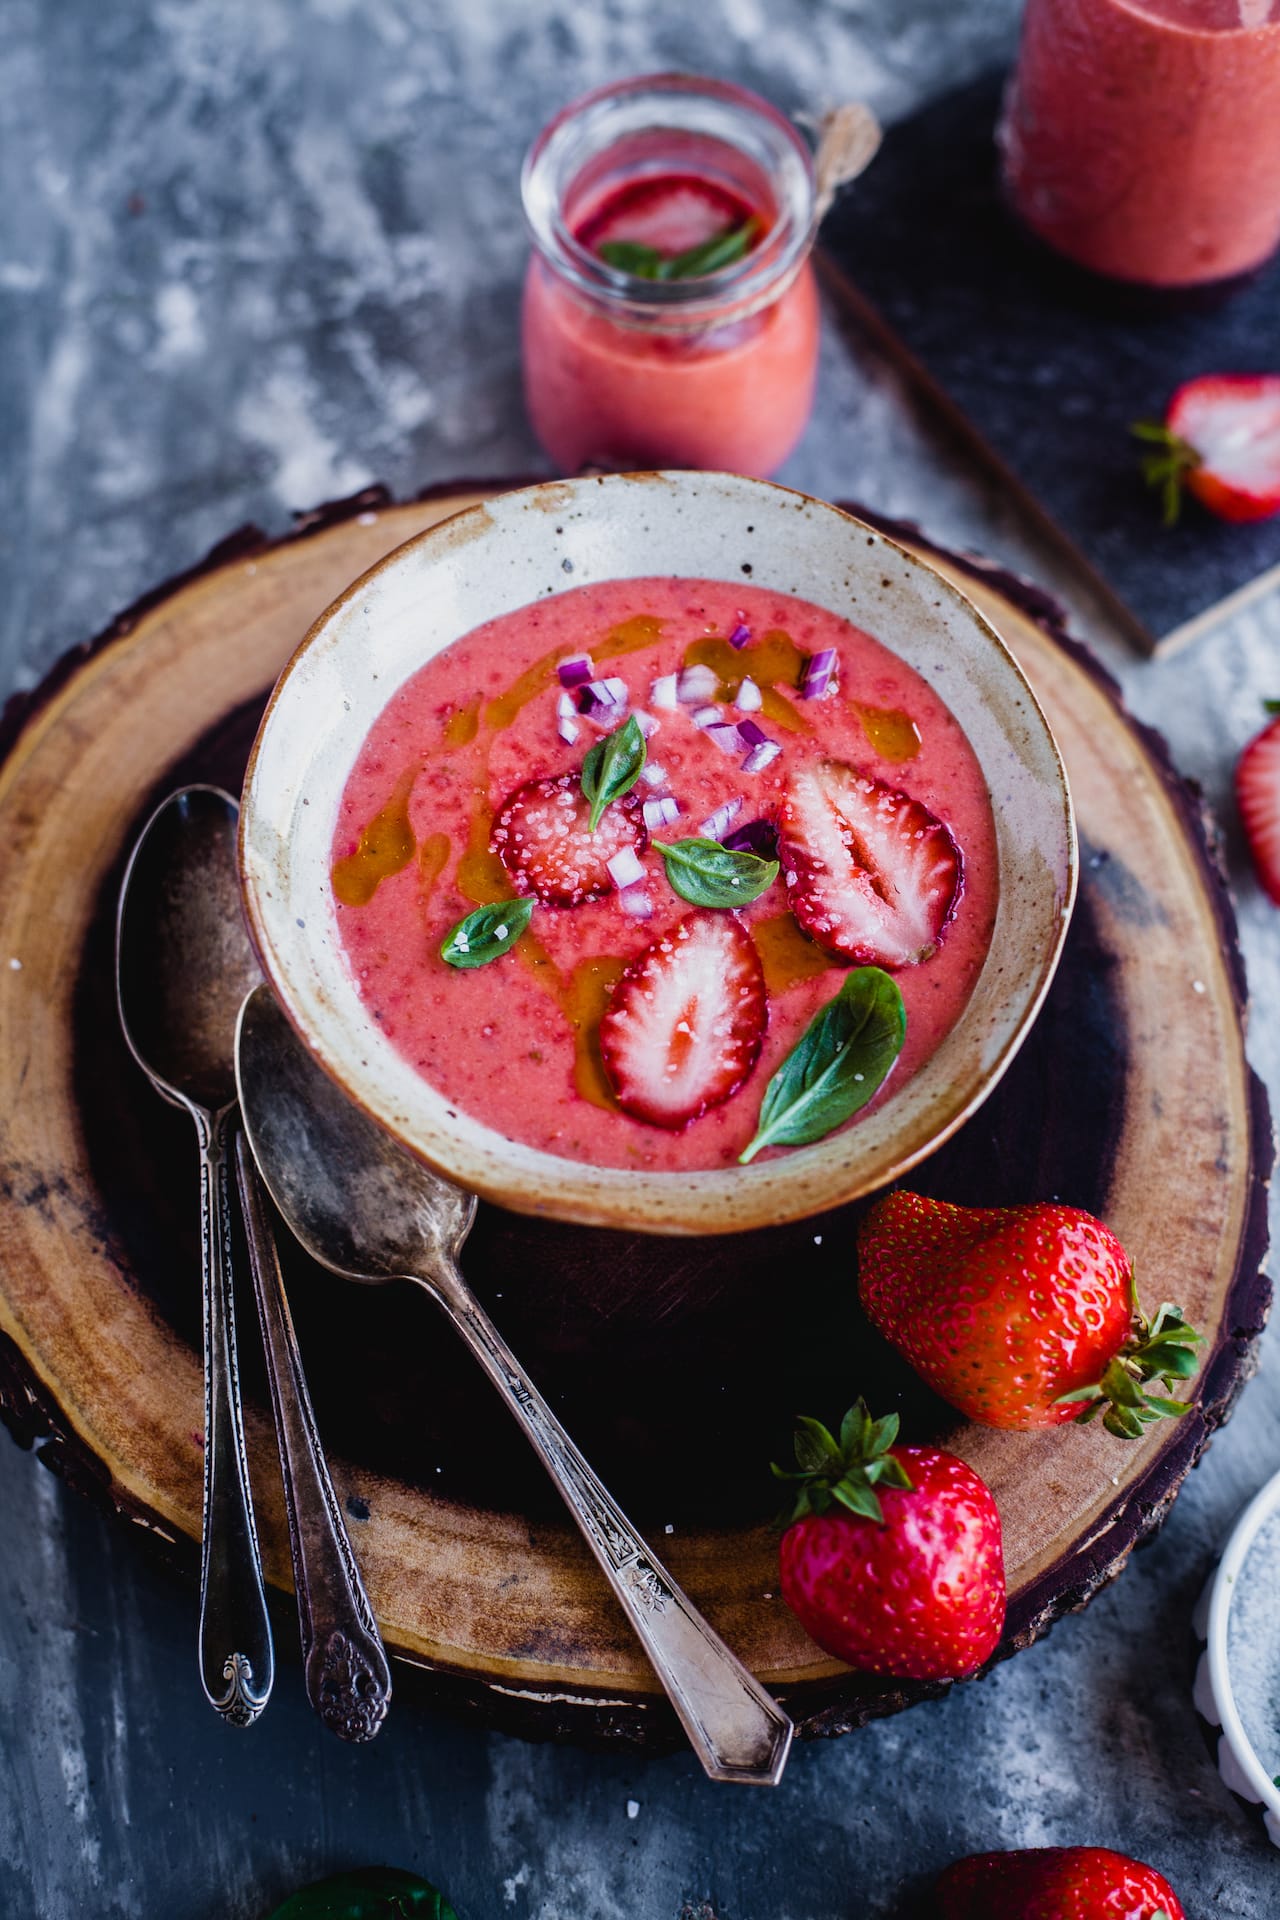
(892, 733)
(773, 661)
(385, 846)
(631, 636)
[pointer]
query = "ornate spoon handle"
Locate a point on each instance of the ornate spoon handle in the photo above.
(737, 1731)
(237, 1663)
(347, 1676)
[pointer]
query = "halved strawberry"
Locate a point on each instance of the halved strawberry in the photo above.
(1221, 440)
(542, 835)
(871, 875)
(686, 1021)
(1258, 798)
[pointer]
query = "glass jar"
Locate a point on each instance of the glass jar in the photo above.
(1141, 138)
(714, 370)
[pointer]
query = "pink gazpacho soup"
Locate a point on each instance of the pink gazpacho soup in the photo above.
(635, 1020)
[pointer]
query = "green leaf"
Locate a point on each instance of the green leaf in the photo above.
(612, 768)
(1271, 706)
(1175, 1361)
(888, 1472)
(882, 1434)
(1120, 1387)
(858, 1497)
(633, 257)
(1170, 1409)
(709, 256)
(1081, 1393)
(370, 1893)
(815, 1448)
(721, 250)
(486, 934)
(1123, 1422)
(709, 875)
(840, 1060)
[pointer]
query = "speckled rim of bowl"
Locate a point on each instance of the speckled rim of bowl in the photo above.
(515, 549)
(1238, 1763)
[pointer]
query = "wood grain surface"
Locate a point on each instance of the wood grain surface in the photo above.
(678, 1366)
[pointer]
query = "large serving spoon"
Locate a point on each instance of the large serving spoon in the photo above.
(183, 965)
(365, 1208)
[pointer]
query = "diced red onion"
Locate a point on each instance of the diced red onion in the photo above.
(575, 672)
(817, 674)
(645, 721)
(750, 734)
(748, 698)
(636, 902)
(716, 824)
(697, 684)
(758, 836)
(625, 868)
(566, 706)
(568, 729)
(762, 756)
(602, 696)
(726, 737)
(740, 635)
(653, 774)
(664, 692)
(706, 716)
(660, 813)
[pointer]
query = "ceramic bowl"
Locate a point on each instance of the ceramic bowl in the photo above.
(1238, 1678)
(517, 548)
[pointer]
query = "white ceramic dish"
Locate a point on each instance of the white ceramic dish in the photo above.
(519, 547)
(1247, 1576)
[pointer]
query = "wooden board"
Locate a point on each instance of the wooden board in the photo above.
(1047, 365)
(677, 1364)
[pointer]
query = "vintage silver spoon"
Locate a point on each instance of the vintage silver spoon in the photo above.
(184, 963)
(364, 1207)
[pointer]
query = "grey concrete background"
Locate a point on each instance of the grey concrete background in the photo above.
(254, 253)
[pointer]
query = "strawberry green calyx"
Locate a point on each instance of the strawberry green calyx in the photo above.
(847, 1471)
(1170, 460)
(1159, 1351)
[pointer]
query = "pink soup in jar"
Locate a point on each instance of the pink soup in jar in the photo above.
(1141, 138)
(670, 310)
(745, 696)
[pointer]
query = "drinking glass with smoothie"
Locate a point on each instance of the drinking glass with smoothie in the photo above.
(1141, 138)
(670, 310)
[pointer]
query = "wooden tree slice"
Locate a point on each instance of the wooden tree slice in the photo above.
(677, 1364)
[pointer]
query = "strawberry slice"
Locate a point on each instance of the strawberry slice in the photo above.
(1258, 798)
(686, 1021)
(1221, 440)
(872, 876)
(542, 835)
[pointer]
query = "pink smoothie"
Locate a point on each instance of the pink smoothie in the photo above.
(1142, 137)
(734, 394)
(513, 1043)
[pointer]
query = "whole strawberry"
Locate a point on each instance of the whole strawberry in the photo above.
(1055, 1883)
(893, 1560)
(1020, 1317)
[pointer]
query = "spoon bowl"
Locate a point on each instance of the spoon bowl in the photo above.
(365, 1207)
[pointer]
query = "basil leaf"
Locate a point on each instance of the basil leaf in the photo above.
(486, 934)
(633, 257)
(841, 1058)
(709, 256)
(721, 250)
(709, 875)
(612, 768)
(371, 1893)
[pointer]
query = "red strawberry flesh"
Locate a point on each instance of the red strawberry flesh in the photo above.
(1232, 421)
(1258, 798)
(686, 1021)
(920, 1596)
(542, 835)
(1055, 1883)
(871, 874)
